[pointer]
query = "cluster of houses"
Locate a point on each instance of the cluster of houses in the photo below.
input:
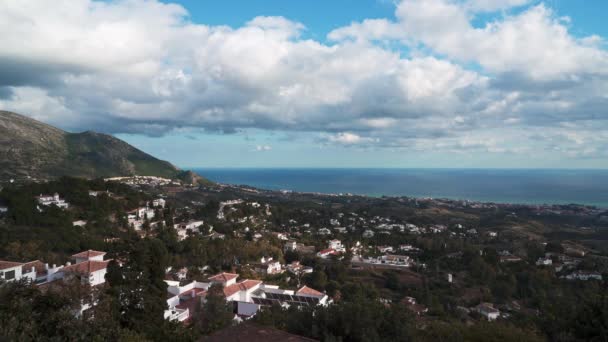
(136, 181)
(247, 296)
(89, 266)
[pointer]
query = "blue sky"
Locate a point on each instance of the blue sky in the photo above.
(321, 17)
(365, 83)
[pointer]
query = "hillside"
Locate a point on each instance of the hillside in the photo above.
(29, 148)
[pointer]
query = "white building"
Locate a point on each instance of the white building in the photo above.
(368, 233)
(268, 266)
(336, 245)
(544, 262)
(324, 231)
(584, 275)
(488, 311)
(326, 253)
(385, 249)
(144, 213)
(79, 223)
(158, 203)
(89, 266)
(48, 200)
(183, 300)
(290, 246)
(296, 268)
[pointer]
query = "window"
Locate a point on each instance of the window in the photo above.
(9, 275)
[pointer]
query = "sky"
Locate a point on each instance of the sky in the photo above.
(332, 83)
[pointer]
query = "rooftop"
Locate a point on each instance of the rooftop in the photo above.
(88, 254)
(9, 264)
(86, 267)
(224, 277)
(240, 286)
(307, 291)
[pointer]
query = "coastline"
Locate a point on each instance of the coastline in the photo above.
(501, 186)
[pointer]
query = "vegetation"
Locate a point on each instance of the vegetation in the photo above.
(368, 303)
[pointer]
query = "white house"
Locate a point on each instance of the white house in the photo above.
(89, 266)
(368, 233)
(544, 262)
(145, 213)
(488, 311)
(182, 300)
(185, 227)
(336, 245)
(48, 200)
(11, 271)
(324, 231)
(584, 275)
(34, 271)
(158, 203)
(247, 296)
(79, 223)
(290, 246)
(296, 268)
(398, 260)
(268, 266)
(385, 249)
(326, 253)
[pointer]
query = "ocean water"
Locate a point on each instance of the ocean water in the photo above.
(488, 185)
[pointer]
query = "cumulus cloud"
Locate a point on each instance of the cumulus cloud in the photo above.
(144, 67)
(262, 148)
(347, 138)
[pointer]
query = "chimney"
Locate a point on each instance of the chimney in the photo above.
(46, 266)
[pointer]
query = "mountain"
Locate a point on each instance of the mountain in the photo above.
(29, 148)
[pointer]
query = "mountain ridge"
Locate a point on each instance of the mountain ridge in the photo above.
(33, 149)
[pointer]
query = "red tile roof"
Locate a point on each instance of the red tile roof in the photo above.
(305, 290)
(240, 286)
(328, 251)
(9, 264)
(224, 277)
(86, 267)
(88, 254)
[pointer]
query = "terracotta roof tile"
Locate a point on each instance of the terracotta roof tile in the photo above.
(86, 267)
(224, 277)
(9, 264)
(88, 254)
(240, 286)
(305, 290)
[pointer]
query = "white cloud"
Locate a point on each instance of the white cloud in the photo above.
(347, 138)
(262, 148)
(534, 42)
(143, 67)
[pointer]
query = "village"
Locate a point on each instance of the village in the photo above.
(298, 249)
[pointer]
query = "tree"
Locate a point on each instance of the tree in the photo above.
(215, 313)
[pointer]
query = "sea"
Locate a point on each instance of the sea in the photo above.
(530, 186)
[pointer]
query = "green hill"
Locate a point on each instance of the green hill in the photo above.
(29, 148)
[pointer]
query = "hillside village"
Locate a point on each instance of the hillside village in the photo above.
(261, 251)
